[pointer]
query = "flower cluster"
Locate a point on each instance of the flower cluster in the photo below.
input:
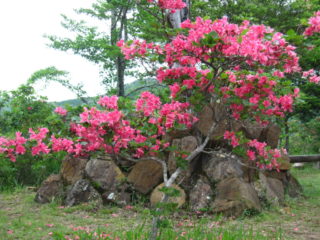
(170, 4)
(268, 158)
(10, 147)
(241, 65)
(41, 147)
(311, 75)
(61, 111)
(314, 25)
(108, 131)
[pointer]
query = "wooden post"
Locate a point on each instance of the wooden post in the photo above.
(304, 158)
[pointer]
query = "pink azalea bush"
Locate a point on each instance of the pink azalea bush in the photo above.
(61, 111)
(241, 66)
(314, 23)
(107, 130)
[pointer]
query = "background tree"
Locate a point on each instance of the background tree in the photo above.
(100, 46)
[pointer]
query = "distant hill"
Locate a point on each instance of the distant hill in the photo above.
(74, 102)
(132, 90)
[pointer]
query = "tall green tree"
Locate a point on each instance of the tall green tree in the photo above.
(100, 46)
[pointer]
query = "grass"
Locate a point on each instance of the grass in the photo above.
(22, 218)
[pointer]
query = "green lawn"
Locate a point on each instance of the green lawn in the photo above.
(22, 218)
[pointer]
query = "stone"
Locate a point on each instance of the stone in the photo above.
(104, 174)
(234, 196)
(186, 144)
(120, 197)
(145, 175)
(82, 192)
(293, 187)
(271, 135)
(221, 165)
(273, 188)
(172, 163)
(284, 162)
(210, 114)
(72, 169)
(200, 195)
(280, 175)
(205, 120)
(50, 189)
(252, 130)
(157, 196)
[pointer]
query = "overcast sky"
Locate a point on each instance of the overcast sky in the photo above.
(23, 48)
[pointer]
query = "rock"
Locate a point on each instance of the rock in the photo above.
(186, 144)
(284, 162)
(72, 169)
(82, 192)
(200, 195)
(104, 174)
(119, 197)
(221, 165)
(157, 195)
(293, 187)
(205, 120)
(145, 175)
(252, 130)
(271, 135)
(273, 188)
(172, 163)
(236, 125)
(281, 175)
(210, 114)
(234, 196)
(50, 189)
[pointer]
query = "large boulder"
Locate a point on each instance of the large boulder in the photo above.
(213, 113)
(82, 192)
(234, 196)
(284, 162)
(157, 196)
(50, 189)
(292, 186)
(186, 144)
(221, 165)
(120, 196)
(72, 169)
(252, 130)
(273, 189)
(104, 174)
(271, 135)
(200, 195)
(145, 175)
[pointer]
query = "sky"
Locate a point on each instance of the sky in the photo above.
(23, 48)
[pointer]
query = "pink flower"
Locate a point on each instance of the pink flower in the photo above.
(175, 88)
(61, 111)
(109, 102)
(314, 23)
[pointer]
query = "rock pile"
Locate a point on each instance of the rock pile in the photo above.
(216, 180)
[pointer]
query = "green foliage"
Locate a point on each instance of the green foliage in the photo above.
(51, 74)
(22, 109)
(305, 136)
(279, 14)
